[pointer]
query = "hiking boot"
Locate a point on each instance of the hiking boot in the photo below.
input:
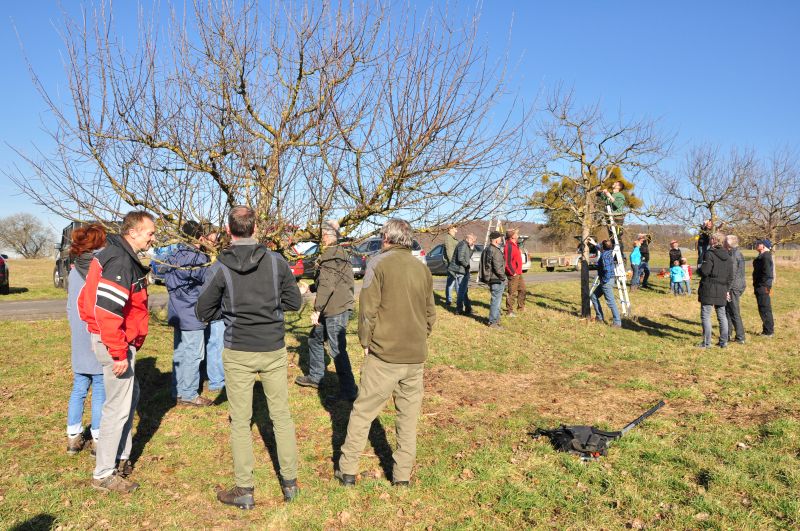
(305, 381)
(290, 489)
(495, 325)
(347, 480)
(124, 468)
(199, 401)
(75, 443)
(241, 497)
(115, 483)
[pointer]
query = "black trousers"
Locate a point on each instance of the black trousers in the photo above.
(735, 317)
(765, 310)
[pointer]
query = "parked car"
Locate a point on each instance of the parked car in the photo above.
(63, 260)
(158, 265)
(372, 246)
(5, 287)
(435, 259)
(305, 263)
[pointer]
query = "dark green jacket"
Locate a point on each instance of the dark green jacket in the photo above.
(396, 311)
(460, 263)
(450, 243)
(333, 282)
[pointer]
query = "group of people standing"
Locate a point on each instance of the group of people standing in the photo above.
(499, 267)
(247, 289)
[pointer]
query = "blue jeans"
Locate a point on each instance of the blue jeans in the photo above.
(644, 267)
(677, 288)
(214, 333)
(705, 319)
(186, 358)
(634, 275)
(687, 286)
(334, 328)
(450, 286)
(607, 290)
(497, 296)
(462, 293)
(80, 388)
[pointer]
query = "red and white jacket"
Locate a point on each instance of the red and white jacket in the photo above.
(113, 303)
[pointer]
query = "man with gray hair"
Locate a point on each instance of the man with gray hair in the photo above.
(396, 316)
(333, 303)
(737, 288)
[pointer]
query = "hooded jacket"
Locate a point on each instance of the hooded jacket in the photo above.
(333, 282)
(716, 276)
(113, 302)
(83, 359)
(249, 287)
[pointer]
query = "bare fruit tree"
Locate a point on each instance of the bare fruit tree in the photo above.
(708, 185)
(304, 111)
(768, 204)
(582, 152)
(26, 235)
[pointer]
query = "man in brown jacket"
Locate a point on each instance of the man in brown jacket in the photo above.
(333, 304)
(396, 315)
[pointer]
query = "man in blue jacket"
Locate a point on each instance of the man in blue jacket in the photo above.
(184, 279)
(605, 270)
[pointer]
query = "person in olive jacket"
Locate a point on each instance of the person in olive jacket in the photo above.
(716, 276)
(334, 287)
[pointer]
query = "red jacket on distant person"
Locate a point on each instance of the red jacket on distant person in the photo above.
(513, 258)
(113, 303)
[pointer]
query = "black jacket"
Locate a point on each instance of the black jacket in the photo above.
(645, 250)
(493, 266)
(249, 287)
(763, 271)
(459, 265)
(716, 276)
(674, 254)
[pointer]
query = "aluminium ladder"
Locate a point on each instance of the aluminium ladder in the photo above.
(620, 276)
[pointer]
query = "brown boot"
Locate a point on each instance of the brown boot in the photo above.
(124, 468)
(241, 497)
(115, 483)
(75, 444)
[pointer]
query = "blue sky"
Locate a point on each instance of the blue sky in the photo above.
(722, 72)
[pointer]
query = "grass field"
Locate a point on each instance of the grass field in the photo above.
(724, 453)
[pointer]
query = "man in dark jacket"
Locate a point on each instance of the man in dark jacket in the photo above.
(644, 266)
(716, 276)
(396, 316)
(674, 253)
(334, 286)
(459, 267)
(763, 275)
(250, 287)
(493, 273)
(704, 240)
(737, 289)
(184, 280)
(113, 304)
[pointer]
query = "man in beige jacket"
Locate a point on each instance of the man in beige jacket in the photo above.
(396, 315)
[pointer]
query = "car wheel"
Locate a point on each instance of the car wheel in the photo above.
(57, 279)
(550, 269)
(5, 289)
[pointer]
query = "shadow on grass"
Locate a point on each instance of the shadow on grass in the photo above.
(655, 328)
(41, 521)
(12, 290)
(154, 401)
(682, 320)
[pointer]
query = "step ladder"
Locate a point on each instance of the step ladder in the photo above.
(620, 276)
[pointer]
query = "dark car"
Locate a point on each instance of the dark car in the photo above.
(63, 259)
(435, 259)
(4, 282)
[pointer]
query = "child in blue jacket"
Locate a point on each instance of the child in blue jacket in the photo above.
(676, 278)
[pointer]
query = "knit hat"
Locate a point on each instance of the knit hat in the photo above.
(494, 235)
(766, 241)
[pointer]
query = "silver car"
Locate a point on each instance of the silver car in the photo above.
(435, 259)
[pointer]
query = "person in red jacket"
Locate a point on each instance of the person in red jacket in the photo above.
(113, 304)
(516, 284)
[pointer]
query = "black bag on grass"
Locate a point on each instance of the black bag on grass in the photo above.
(588, 441)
